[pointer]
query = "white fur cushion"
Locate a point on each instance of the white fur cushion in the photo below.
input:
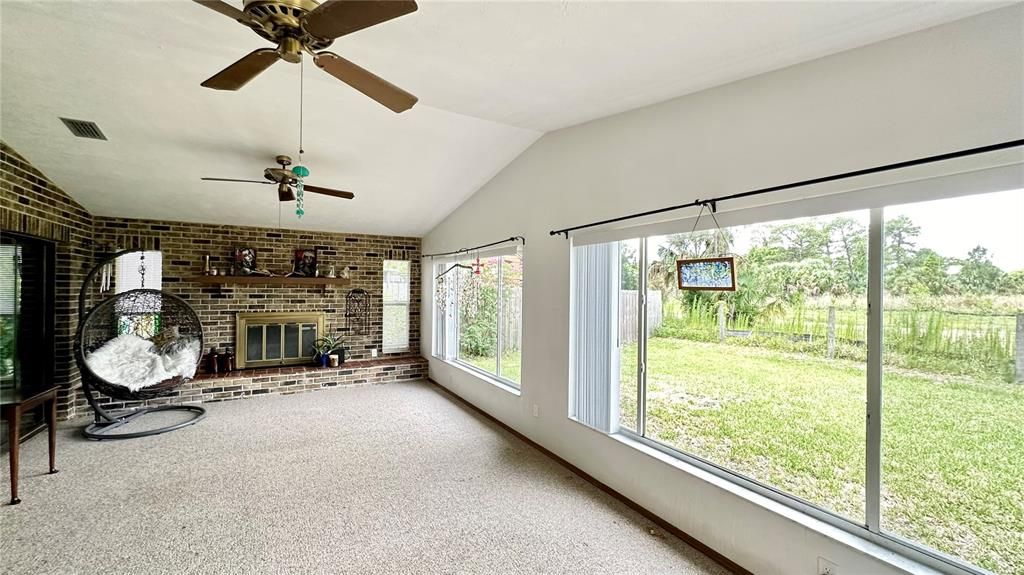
(133, 362)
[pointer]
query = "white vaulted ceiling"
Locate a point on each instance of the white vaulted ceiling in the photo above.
(491, 78)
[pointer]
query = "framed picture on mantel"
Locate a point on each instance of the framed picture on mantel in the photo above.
(245, 261)
(305, 263)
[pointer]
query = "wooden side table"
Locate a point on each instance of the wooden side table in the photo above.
(12, 409)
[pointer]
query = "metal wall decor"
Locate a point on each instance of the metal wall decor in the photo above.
(357, 311)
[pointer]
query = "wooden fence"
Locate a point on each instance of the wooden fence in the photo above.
(511, 319)
(628, 314)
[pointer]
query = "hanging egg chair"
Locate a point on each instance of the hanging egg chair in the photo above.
(136, 345)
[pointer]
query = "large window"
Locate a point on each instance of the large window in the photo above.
(139, 270)
(396, 306)
(867, 369)
(479, 315)
(952, 437)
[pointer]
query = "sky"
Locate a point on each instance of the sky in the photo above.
(951, 227)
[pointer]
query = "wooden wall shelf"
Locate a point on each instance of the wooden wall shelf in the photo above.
(267, 280)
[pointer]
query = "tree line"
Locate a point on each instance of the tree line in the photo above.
(816, 257)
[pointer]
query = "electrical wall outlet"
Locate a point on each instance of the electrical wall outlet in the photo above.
(373, 352)
(536, 410)
(826, 567)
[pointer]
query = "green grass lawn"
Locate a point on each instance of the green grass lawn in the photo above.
(511, 365)
(953, 447)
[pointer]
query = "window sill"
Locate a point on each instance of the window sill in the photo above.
(480, 374)
(902, 560)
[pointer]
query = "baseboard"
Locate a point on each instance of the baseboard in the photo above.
(685, 537)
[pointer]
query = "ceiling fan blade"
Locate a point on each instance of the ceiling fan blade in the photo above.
(233, 180)
(328, 192)
(225, 9)
(335, 18)
(391, 96)
(238, 74)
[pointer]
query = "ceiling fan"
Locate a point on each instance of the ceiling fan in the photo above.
(286, 180)
(308, 26)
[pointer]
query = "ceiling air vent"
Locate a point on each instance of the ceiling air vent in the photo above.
(84, 129)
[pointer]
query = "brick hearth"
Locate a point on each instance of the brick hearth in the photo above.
(248, 383)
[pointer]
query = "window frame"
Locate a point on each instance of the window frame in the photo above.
(407, 304)
(876, 204)
(446, 335)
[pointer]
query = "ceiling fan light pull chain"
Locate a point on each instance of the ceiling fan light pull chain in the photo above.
(299, 170)
(302, 100)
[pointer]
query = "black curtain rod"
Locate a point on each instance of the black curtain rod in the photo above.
(712, 203)
(474, 248)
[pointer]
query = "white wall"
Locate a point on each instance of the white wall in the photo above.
(955, 86)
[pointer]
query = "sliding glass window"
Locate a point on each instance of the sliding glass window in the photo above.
(908, 318)
(767, 380)
(952, 437)
(478, 315)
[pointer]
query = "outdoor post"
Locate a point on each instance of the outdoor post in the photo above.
(721, 321)
(1018, 358)
(831, 332)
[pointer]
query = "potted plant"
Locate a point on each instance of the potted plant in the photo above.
(327, 345)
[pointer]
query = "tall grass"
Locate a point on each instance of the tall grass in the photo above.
(937, 340)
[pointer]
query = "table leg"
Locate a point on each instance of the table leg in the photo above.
(51, 423)
(13, 416)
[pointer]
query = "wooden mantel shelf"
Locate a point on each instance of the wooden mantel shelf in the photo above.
(269, 280)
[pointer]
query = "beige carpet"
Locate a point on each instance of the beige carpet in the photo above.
(395, 478)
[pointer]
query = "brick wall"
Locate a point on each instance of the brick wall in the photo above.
(30, 204)
(184, 245)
